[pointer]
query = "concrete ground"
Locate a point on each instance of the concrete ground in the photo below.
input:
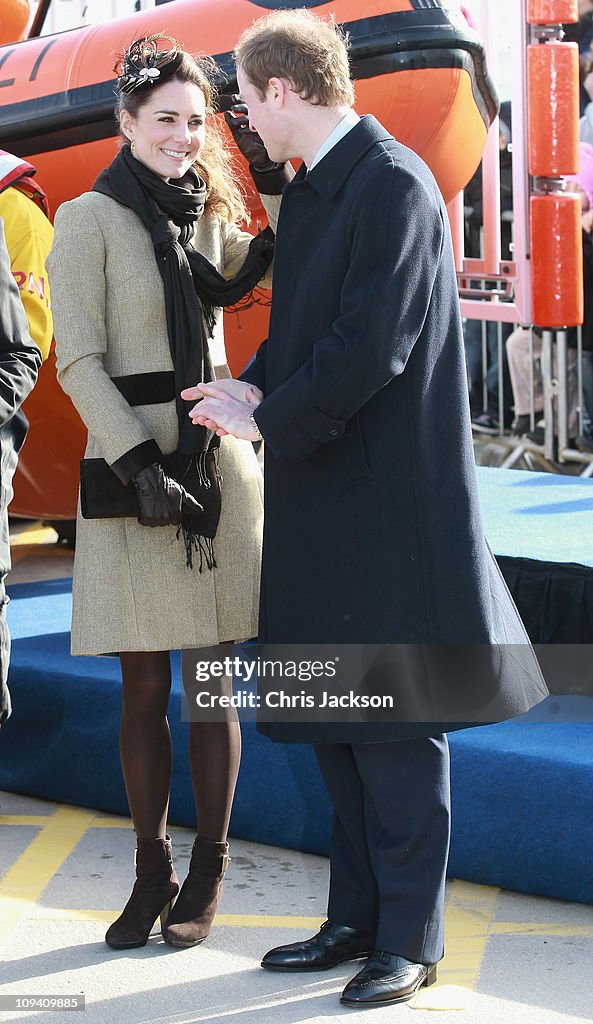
(65, 872)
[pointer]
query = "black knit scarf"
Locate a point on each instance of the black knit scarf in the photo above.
(193, 287)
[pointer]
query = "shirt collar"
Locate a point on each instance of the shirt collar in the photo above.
(342, 128)
(328, 176)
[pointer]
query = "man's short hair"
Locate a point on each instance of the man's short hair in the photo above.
(308, 51)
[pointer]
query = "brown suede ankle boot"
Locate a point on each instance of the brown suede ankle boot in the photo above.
(191, 918)
(155, 888)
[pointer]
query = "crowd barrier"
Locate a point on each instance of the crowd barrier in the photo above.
(561, 377)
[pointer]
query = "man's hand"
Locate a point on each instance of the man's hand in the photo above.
(227, 387)
(248, 394)
(226, 416)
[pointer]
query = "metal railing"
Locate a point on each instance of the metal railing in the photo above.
(509, 300)
(494, 290)
(556, 397)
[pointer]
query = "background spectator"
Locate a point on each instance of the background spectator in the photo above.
(582, 33)
(19, 362)
(25, 336)
(29, 236)
(519, 351)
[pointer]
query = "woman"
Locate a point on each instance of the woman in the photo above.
(137, 289)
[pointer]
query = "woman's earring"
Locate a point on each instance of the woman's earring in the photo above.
(133, 146)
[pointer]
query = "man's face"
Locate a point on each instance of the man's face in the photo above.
(264, 117)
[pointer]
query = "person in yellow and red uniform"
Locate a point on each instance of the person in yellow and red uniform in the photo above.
(25, 240)
(29, 236)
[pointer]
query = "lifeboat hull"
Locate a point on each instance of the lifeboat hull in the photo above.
(417, 67)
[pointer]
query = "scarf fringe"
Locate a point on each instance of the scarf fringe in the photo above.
(200, 463)
(210, 317)
(254, 297)
(201, 470)
(195, 542)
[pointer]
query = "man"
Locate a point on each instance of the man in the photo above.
(372, 527)
(20, 359)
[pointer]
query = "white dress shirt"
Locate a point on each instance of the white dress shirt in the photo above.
(342, 128)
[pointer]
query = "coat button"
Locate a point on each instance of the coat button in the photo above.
(334, 432)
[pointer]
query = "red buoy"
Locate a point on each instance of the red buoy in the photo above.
(552, 81)
(557, 260)
(552, 12)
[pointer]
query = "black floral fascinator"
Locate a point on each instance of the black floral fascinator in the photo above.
(148, 61)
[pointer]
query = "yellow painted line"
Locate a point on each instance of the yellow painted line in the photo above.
(72, 914)
(111, 823)
(35, 534)
(468, 921)
(268, 921)
(442, 998)
(526, 928)
(460, 947)
(43, 819)
(24, 882)
(228, 920)
(24, 819)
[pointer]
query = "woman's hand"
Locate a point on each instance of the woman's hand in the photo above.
(270, 178)
(161, 500)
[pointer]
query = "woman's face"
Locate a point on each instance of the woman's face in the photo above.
(170, 128)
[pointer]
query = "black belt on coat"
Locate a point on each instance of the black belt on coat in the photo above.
(147, 388)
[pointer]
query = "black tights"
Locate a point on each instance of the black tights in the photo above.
(146, 758)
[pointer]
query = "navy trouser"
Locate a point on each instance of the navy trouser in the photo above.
(390, 841)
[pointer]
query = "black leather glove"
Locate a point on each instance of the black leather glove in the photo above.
(161, 499)
(269, 177)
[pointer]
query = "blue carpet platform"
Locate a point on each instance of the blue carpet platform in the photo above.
(539, 527)
(522, 791)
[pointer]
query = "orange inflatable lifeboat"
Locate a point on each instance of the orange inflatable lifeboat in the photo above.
(14, 17)
(418, 67)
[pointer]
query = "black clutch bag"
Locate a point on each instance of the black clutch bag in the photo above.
(104, 496)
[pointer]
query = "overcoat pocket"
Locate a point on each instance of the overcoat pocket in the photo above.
(351, 455)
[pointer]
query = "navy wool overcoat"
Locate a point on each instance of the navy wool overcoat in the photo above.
(373, 532)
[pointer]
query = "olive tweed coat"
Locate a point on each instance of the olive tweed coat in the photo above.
(132, 590)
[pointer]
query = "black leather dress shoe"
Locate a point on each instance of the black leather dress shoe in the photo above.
(387, 978)
(333, 944)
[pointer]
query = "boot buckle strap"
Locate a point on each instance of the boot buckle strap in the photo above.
(225, 861)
